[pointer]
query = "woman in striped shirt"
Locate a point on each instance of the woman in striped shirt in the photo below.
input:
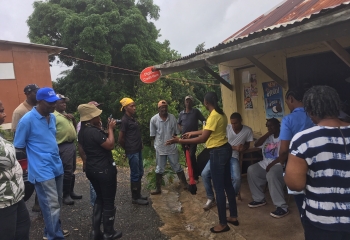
(319, 163)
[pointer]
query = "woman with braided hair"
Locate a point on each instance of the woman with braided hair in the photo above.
(319, 164)
(214, 136)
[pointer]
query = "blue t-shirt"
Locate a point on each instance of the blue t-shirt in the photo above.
(39, 138)
(293, 123)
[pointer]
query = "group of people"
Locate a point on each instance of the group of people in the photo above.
(311, 147)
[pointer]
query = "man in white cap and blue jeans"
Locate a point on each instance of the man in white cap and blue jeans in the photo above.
(36, 134)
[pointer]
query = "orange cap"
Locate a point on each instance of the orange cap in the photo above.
(162, 103)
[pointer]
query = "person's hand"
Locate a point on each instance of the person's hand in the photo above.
(172, 141)
(69, 116)
(240, 148)
(111, 123)
(187, 135)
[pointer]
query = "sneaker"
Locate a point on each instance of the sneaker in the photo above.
(256, 204)
(279, 213)
(210, 203)
(65, 234)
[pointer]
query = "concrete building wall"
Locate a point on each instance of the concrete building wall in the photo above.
(31, 65)
(276, 62)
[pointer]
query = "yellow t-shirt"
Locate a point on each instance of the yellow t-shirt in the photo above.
(216, 123)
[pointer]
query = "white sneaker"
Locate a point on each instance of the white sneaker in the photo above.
(210, 203)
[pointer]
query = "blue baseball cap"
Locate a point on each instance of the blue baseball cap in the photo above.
(46, 94)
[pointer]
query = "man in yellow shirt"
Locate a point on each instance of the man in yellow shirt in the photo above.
(65, 137)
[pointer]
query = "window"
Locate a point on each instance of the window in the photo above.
(7, 71)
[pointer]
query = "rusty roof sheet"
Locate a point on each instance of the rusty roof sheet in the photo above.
(288, 13)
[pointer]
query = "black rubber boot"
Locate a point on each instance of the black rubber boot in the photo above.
(108, 226)
(96, 233)
(36, 206)
(73, 195)
(135, 192)
(182, 178)
(139, 186)
(159, 179)
(66, 192)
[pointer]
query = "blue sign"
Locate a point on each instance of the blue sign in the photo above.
(273, 96)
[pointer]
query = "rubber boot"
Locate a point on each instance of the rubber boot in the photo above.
(139, 186)
(66, 192)
(73, 195)
(182, 178)
(96, 233)
(135, 192)
(159, 179)
(108, 225)
(36, 206)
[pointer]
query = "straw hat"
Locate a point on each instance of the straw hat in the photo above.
(88, 112)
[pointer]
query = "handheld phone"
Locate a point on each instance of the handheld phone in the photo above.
(110, 116)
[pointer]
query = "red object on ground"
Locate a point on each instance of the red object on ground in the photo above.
(192, 186)
(149, 76)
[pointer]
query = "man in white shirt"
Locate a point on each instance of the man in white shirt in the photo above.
(239, 137)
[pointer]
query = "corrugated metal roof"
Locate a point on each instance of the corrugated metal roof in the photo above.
(50, 49)
(285, 15)
(288, 12)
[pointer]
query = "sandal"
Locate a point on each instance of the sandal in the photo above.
(227, 228)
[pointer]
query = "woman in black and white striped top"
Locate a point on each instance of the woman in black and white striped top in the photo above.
(319, 163)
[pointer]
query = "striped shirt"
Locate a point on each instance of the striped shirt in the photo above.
(326, 151)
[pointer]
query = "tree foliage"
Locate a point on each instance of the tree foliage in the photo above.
(112, 33)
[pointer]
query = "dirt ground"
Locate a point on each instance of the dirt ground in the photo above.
(136, 222)
(175, 214)
(185, 218)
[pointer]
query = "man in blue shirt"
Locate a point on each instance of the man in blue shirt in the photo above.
(293, 123)
(36, 133)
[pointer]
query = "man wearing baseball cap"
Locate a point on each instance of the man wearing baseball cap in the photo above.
(131, 141)
(65, 137)
(188, 122)
(163, 126)
(36, 134)
(26, 106)
(30, 92)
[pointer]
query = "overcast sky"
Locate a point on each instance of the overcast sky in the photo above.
(185, 23)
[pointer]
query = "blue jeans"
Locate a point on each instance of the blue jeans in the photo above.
(136, 166)
(221, 176)
(92, 195)
(173, 160)
(50, 200)
(235, 177)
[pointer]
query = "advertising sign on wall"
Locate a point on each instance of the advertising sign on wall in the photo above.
(273, 96)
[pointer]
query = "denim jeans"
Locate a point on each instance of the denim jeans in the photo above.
(206, 177)
(173, 160)
(14, 222)
(105, 185)
(221, 176)
(92, 195)
(235, 177)
(50, 200)
(299, 200)
(136, 166)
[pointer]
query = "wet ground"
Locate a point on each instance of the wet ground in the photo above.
(175, 214)
(136, 222)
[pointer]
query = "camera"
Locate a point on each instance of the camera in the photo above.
(118, 121)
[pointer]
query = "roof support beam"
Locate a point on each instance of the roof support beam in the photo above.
(218, 77)
(339, 51)
(267, 71)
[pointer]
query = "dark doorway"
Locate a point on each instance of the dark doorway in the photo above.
(320, 69)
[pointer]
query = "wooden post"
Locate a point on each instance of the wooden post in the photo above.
(218, 77)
